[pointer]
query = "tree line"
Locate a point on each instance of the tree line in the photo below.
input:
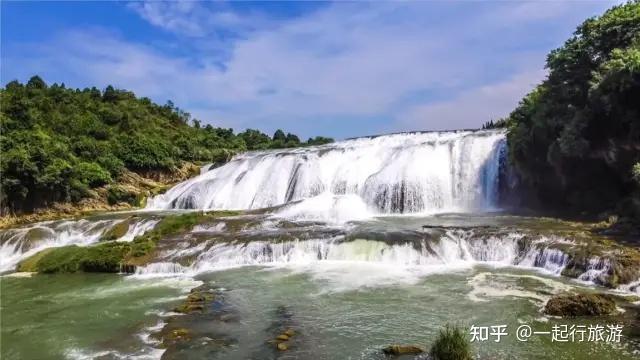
(58, 143)
(575, 139)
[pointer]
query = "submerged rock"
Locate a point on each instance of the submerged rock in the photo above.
(196, 301)
(201, 328)
(580, 304)
(403, 350)
(282, 336)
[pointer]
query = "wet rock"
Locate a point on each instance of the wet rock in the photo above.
(580, 304)
(189, 308)
(196, 301)
(403, 350)
(117, 231)
(174, 336)
(282, 336)
(203, 310)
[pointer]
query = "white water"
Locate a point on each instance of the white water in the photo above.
(364, 262)
(20, 243)
(352, 179)
(138, 228)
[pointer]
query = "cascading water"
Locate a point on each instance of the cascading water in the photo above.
(20, 243)
(400, 173)
(453, 250)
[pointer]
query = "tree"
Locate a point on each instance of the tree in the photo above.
(560, 133)
(36, 82)
(279, 136)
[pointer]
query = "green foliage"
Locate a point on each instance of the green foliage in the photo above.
(498, 124)
(58, 143)
(120, 194)
(574, 138)
(319, 140)
(92, 174)
(451, 344)
(61, 260)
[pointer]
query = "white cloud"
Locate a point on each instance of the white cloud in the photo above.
(196, 19)
(484, 103)
(344, 62)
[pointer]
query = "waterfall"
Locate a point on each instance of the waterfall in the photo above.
(400, 173)
(19, 243)
(455, 249)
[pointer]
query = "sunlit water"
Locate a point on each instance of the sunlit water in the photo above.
(87, 316)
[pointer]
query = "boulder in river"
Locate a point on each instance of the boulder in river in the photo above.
(580, 304)
(403, 350)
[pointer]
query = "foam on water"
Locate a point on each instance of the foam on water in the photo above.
(362, 262)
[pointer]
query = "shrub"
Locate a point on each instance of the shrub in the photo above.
(92, 174)
(451, 344)
(118, 194)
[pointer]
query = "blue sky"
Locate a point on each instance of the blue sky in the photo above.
(314, 68)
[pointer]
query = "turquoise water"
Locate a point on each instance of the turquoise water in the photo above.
(82, 316)
(109, 316)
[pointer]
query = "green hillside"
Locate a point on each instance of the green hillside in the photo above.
(58, 143)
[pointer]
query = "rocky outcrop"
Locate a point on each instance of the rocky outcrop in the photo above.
(580, 304)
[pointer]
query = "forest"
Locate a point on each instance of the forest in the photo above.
(575, 139)
(57, 143)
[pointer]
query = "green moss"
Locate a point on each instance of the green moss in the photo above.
(451, 344)
(117, 231)
(100, 258)
(30, 264)
(111, 256)
(63, 259)
(168, 226)
(197, 301)
(104, 258)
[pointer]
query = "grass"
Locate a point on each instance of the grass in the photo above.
(451, 344)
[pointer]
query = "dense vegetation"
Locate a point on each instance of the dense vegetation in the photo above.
(575, 139)
(57, 142)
